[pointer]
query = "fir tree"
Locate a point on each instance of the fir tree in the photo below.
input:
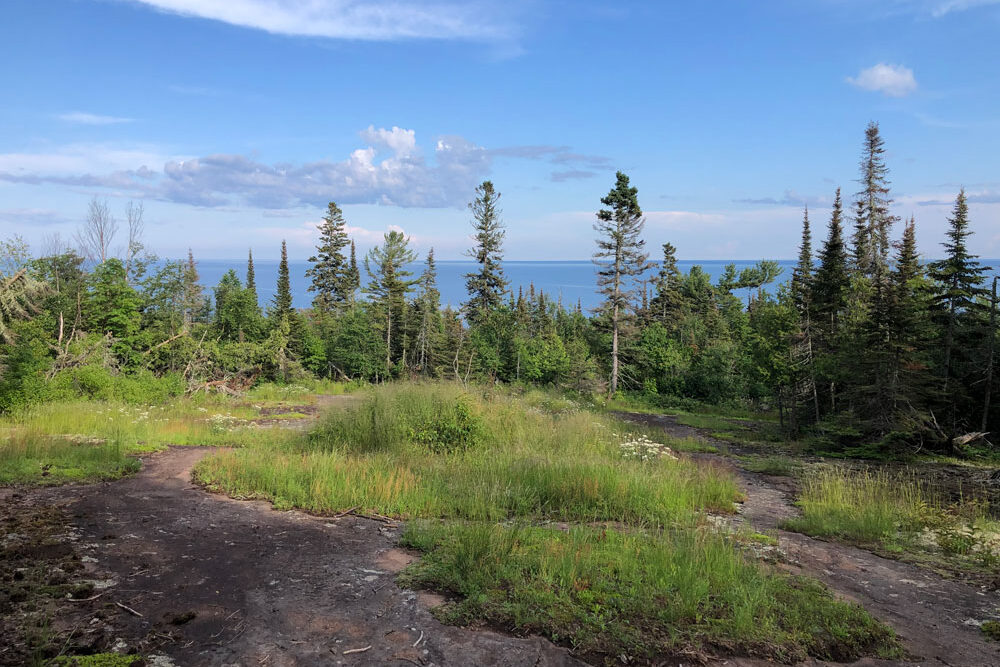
(429, 305)
(802, 275)
(829, 291)
(194, 300)
(251, 275)
(909, 383)
(620, 260)
(281, 305)
(486, 286)
(353, 275)
(389, 284)
(958, 309)
(330, 271)
(874, 221)
(666, 304)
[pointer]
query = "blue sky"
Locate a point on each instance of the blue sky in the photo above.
(236, 120)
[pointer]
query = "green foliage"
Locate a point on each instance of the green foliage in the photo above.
(644, 596)
(486, 286)
(330, 272)
(453, 428)
(991, 629)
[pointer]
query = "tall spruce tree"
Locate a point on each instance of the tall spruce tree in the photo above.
(429, 307)
(959, 313)
(666, 304)
(802, 275)
(194, 300)
(620, 261)
(281, 305)
(874, 221)
(909, 382)
(251, 275)
(829, 292)
(487, 285)
(330, 271)
(353, 275)
(389, 284)
(804, 361)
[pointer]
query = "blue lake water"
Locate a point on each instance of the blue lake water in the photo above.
(569, 280)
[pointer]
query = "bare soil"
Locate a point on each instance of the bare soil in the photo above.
(158, 566)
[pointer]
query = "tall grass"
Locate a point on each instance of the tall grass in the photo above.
(89, 440)
(643, 595)
(494, 458)
(865, 507)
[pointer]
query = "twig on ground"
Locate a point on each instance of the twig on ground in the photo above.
(419, 639)
(130, 610)
(357, 650)
(345, 512)
(92, 597)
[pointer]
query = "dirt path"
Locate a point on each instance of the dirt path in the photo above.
(935, 616)
(224, 582)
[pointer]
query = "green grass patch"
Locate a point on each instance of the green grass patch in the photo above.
(991, 629)
(782, 466)
(83, 441)
(645, 595)
(438, 450)
(898, 515)
(98, 660)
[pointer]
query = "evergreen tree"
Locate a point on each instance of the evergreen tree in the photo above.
(620, 260)
(802, 275)
(486, 286)
(429, 306)
(251, 275)
(829, 290)
(194, 299)
(959, 312)
(873, 219)
(666, 304)
(236, 312)
(909, 382)
(353, 275)
(389, 284)
(330, 271)
(281, 305)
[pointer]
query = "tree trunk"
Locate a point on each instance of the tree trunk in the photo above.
(614, 353)
(992, 333)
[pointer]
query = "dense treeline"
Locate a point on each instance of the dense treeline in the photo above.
(865, 340)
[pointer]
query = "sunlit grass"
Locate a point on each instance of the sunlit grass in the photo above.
(519, 461)
(641, 595)
(897, 514)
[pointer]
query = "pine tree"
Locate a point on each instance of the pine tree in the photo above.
(666, 304)
(353, 276)
(388, 283)
(429, 306)
(829, 291)
(874, 221)
(959, 312)
(620, 260)
(801, 292)
(909, 382)
(251, 275)
(802, 275)
(194, 300)
(330, 271)
(281, 305)
(486, 286)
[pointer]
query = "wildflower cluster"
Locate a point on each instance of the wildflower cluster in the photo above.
(641, 448)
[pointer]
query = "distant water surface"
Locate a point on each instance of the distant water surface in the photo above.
(571, 281)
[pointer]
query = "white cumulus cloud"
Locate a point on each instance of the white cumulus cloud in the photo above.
(890, 80)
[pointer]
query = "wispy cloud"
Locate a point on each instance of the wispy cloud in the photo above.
(890, 80)
(83, 118)
(571, 175)
(941, 8)
(790, 198)
(31, 217)
(389, 170)
(357, 19)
